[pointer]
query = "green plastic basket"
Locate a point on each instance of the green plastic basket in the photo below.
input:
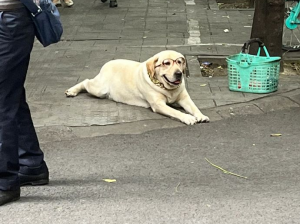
(253, 73)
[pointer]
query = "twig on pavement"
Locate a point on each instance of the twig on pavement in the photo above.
(225, 171)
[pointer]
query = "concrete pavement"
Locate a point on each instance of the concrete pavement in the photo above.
(162, 176)
(95, 34)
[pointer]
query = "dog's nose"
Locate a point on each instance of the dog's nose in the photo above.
(178, 74)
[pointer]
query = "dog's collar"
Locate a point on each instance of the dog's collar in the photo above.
(156, 82)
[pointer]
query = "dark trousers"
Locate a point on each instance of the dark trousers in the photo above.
(19, 146)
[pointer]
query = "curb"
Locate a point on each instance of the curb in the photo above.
(266, 104)
(262, 105)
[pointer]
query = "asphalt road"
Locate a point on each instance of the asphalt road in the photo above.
(163, 176)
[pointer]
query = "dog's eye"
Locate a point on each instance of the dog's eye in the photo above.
(180, 61)
(166, 62)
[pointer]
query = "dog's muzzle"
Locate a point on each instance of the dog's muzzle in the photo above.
(178, 77)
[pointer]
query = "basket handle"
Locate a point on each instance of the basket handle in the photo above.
(261, 44)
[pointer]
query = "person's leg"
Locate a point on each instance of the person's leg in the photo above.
(16, 41)
(113, 3)
(69, 3)
(33, 169)
(57, 3)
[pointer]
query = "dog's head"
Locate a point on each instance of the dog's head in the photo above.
(167, 67)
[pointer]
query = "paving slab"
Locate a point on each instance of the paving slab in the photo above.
(95, 34)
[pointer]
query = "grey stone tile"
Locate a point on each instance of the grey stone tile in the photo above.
(175, 41)
(242, 109)
(155, 41)
(209, 50)
(204, 104)
(182, 49)
(95, 34)
(275, 103)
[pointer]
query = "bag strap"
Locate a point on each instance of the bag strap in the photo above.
(32, 7)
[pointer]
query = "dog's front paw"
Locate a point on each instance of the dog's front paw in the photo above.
(189, 119)
(202, 118)
(70, 93)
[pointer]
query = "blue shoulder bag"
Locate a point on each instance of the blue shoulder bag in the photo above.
(46, 18)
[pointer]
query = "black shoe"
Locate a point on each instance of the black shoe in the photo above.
(34, 180)
(113, 4)
(9, 196)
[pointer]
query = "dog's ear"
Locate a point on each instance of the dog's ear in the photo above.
(150, 64)
(186, 70)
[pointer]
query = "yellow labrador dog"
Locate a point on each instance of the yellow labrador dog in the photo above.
(154, 83)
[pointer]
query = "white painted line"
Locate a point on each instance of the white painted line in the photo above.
(194, 32)
(190, 2)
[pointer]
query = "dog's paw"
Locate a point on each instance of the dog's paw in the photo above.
(189, 119)
(202, 118)
(70, 93)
